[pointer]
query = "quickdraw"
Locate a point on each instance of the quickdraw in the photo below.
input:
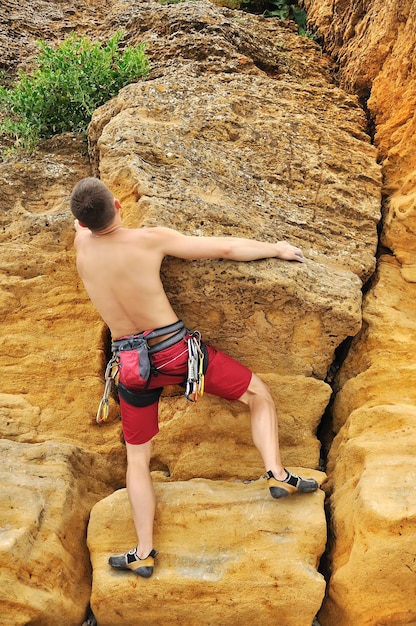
(111, 372)
(195, 382)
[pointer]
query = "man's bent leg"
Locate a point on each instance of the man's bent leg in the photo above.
(265, 437)
(264, 428)
(141, 495)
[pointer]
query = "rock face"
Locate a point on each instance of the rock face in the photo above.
(371, 465)
(241, 138)
(193, 168)
(374, 46)
(240, 129)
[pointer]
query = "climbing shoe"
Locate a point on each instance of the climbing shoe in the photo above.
(291, 484)
(130, 561)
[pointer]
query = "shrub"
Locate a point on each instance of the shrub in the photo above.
(284, 9)
(66, 86)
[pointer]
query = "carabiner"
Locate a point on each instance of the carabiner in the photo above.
(110, 374)
(102, 413)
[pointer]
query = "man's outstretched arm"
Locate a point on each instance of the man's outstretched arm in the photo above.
(174, 243)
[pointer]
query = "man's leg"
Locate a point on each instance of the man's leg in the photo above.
(265, 437)
(141, 495)
(264, 428)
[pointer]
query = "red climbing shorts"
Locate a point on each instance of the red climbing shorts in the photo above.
(225, 377)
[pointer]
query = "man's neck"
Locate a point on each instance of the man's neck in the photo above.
(109, 230)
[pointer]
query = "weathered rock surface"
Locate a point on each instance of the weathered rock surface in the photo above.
(373, 510)
(52, 354)
(241, 138)
(374, 46)
(192, 165)
(239, 130)
(252, 559)
(275, 146)
(380, 367)
(177, 179)
(371, 468)
(46, 493)
(371, 463)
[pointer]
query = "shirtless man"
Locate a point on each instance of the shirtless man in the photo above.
(120, 269)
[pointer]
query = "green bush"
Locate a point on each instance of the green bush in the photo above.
(284, 9)
(67, 85)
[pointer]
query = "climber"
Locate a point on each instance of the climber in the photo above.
(120, 269)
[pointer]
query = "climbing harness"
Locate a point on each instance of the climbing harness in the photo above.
(194, 387)
(135, 353)
(110, 374)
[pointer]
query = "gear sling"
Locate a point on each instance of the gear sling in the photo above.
(135, 352)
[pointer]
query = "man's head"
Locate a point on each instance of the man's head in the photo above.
(92, 203)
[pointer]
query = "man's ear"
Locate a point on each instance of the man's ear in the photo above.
(82, 224)
(117, 203)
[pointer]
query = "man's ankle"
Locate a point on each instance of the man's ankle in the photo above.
(143, 554)
(279, 474)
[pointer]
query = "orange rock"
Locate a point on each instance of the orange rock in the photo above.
(229, 554)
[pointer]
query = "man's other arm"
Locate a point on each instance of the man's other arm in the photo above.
(174, 243)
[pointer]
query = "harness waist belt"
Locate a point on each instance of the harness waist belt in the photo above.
(167, 343)
(134, 341)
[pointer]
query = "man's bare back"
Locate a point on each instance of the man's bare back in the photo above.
(121, 273)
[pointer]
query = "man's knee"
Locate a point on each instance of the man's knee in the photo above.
(138, 455)
(257, 390)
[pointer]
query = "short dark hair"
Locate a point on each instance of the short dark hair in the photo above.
(92, 203)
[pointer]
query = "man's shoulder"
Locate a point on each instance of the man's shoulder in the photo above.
(160, 233)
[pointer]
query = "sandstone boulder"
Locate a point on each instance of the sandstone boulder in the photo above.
(373, 511)
(177, 178)
(229, 554)
(212, 438)
(380, 367)
(46, 493)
